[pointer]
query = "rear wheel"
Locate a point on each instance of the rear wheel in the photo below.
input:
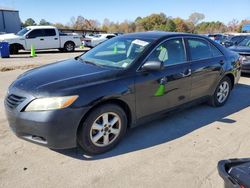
(103, 129)
(221, 93)
(69, 47)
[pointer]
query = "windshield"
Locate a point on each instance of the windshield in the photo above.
(23, 31)
(117, 52)
(245, 42)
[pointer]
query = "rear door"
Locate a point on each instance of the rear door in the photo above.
(160, 90)
(50, 39)
(206, 65)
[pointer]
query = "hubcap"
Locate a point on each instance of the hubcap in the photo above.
(105, 129)
(223, 92)
(69, 47)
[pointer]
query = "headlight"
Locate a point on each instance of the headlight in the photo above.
(50, 103)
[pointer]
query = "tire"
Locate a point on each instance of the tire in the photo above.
(69, 47)
(14, 49)
(94, 130)
(221, 93)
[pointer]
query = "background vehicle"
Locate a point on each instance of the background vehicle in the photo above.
(233, 40)
(41, 37)
(92, 41)
(235, 172)
(121, 83)
(217, 37)
(243, 48)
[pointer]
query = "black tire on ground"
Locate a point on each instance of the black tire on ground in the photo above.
(86, 130)
(69, 47)
(215, 99)
(14, 49)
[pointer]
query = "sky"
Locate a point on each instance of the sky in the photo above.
(63, 10)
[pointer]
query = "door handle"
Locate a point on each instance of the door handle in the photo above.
(56, 38)
(186, 73)
(41, 39)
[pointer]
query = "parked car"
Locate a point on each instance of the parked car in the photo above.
(94, 98)
(233, 40)
(217, 37)
(235, 173)
(92, 41)
(243, 48)
(41, 37)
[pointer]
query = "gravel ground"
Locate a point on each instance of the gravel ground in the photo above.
(181, 150)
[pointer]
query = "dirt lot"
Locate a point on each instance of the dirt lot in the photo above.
(181, 150)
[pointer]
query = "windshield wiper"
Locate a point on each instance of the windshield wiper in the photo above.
(84, 61)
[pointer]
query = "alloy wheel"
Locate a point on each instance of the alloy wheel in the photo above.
(223, 92)
(105, 129)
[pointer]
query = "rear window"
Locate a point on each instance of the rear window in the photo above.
(215, 51)
(199, 49)
(49, 32)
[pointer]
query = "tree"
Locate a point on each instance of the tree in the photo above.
(211, 27)
(180, 25)
(233, 25)
(44, 22)
(196, 17)
(154, 21)
(170, 25)
(29, 22)
(61, 26)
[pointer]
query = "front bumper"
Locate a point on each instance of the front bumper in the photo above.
(54, 129)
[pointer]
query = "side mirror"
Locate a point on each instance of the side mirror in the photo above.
(152, 66)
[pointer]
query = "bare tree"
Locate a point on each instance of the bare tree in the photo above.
(196, 17)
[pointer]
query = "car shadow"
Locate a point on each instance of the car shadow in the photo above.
(172, 126)
(51, 51)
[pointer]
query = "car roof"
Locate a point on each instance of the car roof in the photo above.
(41, 27)
(158, 34)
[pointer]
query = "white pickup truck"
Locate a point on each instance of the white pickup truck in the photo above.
(41, 37)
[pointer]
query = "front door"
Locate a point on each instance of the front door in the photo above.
(35, 39)
(160, 90)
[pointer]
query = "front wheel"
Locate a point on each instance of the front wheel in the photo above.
(69, 47)
(103, 129)
(221, 93)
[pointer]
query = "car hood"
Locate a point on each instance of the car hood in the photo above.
(61, 76)
(9, 36)
(240, 49)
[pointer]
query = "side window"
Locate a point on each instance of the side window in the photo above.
(171, 52)
(215, 51)
(35, 33)
(49, 32)
(199, 49)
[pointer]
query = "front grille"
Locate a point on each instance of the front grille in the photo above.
(13, 101)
